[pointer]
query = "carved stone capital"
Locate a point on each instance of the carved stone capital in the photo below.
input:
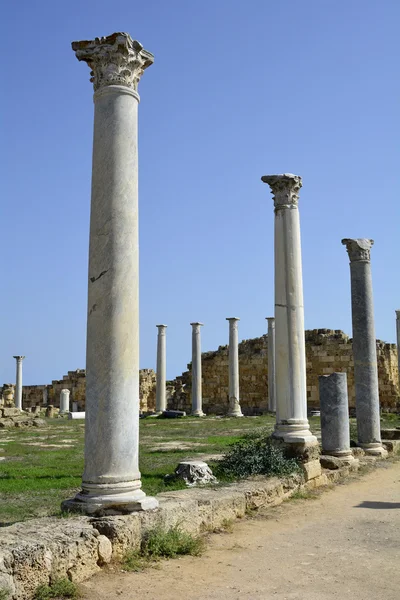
(359, 250)
(285, 189)
(397, 314)
(19, 358)
(114, 60)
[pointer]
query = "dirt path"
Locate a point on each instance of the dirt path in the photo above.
(344, 544)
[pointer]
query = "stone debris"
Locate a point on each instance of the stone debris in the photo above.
(195, 472)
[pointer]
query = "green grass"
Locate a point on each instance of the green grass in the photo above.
(34, 479)
(162, 543)
(58, 590)
(4, 594)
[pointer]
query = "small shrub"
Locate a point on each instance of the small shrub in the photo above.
(255, 454)
(58, 590)
(162, 543)
(4, 594)
(169, 543)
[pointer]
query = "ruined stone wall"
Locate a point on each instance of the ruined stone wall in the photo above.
(327, 351)
(75, 382)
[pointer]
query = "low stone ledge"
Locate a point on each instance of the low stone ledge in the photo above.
(38, 551)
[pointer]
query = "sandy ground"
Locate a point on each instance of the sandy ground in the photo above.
(344, 544)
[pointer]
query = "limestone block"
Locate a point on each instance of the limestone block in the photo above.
(122, 531)
(104, 549)
(10, 412)
(311, 469)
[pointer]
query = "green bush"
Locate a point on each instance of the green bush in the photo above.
(163, 543)
(4, 594)
(58, 590)
(255, 454)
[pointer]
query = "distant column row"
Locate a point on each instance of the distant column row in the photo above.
(234, 409)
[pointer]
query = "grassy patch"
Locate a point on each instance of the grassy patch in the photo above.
(58, 590)
(303, 495)
(162, 543)
(44, 466)
(4, 594)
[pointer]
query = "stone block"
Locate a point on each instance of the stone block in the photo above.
(10, 412)
(311, 469)
(390, 434)
(122, 531)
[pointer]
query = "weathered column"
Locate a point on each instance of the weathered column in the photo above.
(161, 375)
(18, 382)
(111, 478)
(364, 347)
(45, 396)
(64, 402)
(271, 364)
(290, 357)
(398, 340)
(197, 399)
(334, 406)
(234, 409)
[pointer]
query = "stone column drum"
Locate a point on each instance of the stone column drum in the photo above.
(45, 396)
(161, 375)
(197, 399)
(271, 365)
(398, 340)
(18, 382)
(290, 357)
(364, 347)
(234, 409)
(64, 402)
(111, 478)
(334, 405)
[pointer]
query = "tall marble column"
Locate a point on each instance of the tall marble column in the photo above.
(111, 478)
(364, 346)
(161, 374)
(271, 364)
(18, 382)
(45, 394)
(234, 409)
(197, 399)
(290, 357)
(64, 401)
(398, 340)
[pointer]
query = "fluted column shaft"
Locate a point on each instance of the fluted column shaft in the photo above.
(111, 476)
(161, 374)
(364, 346)
(290, 358)
(18, 382)
(271, 365)
(197, 399)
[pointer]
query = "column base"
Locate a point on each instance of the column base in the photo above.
(294, 431)
(109, 504)
(198, 413)
(234, 409)
(374, 449)
(342, 455)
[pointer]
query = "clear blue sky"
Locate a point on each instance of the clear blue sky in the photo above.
(237, 90)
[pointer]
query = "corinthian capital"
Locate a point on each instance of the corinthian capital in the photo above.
(359, 250)
(285, 189)
(114, 60)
